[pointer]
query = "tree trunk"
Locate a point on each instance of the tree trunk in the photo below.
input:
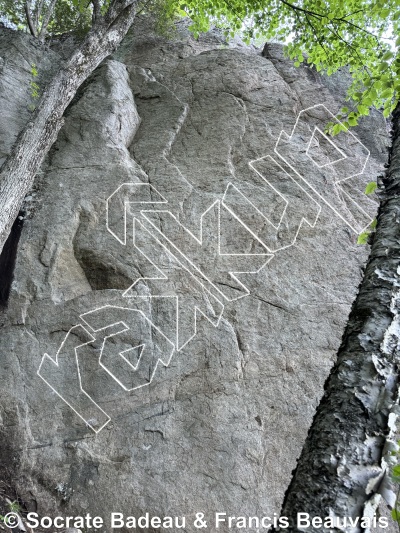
(46, 20)
(343, 466)
(31, 26)
(18, 171)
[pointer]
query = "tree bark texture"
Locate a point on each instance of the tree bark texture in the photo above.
(344, 466)
(33, 143)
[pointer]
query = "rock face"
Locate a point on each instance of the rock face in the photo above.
(170, 385)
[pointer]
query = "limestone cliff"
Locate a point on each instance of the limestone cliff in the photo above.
(187, 262)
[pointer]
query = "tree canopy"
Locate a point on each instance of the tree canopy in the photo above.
(362, 35)
(47, 16)
(44, 18)
(328, 34)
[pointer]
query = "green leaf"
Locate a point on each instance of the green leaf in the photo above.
(387, 55)
(387, 93)
(363, 237)
(363, 109)
(395, 515)
(371, 187)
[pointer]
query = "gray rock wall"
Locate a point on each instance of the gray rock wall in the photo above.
(210, 415)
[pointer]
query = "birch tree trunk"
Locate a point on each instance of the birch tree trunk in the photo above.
(341, 469)
(18, 171)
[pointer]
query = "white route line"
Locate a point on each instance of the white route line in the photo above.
(200, 242)
(333, 117)
(92, 339)
(344, 156)
(127, 328)
(163, 276)
(126, 205)
(145, 214)
(56, 362)
(276, 227)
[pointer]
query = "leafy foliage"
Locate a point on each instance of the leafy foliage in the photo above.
(371, 187)
(14, 507)
(70, 16)
(165, 12)
(362, 35)
(35, 87)
(64, 16)
(13, 12)
(76, 15)
(396, 483)
(364, 236)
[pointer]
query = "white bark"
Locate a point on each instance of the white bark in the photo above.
(18, 171)
(46, 20)
(32, 27)
(343, 467)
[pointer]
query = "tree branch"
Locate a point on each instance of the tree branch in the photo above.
(33, 143)
(116, 8)
(38, 12)
(320, 15)
(49, 13)
(298, 8)
(349, 45)
(318, 39)
(96, 10)
(31, 26)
